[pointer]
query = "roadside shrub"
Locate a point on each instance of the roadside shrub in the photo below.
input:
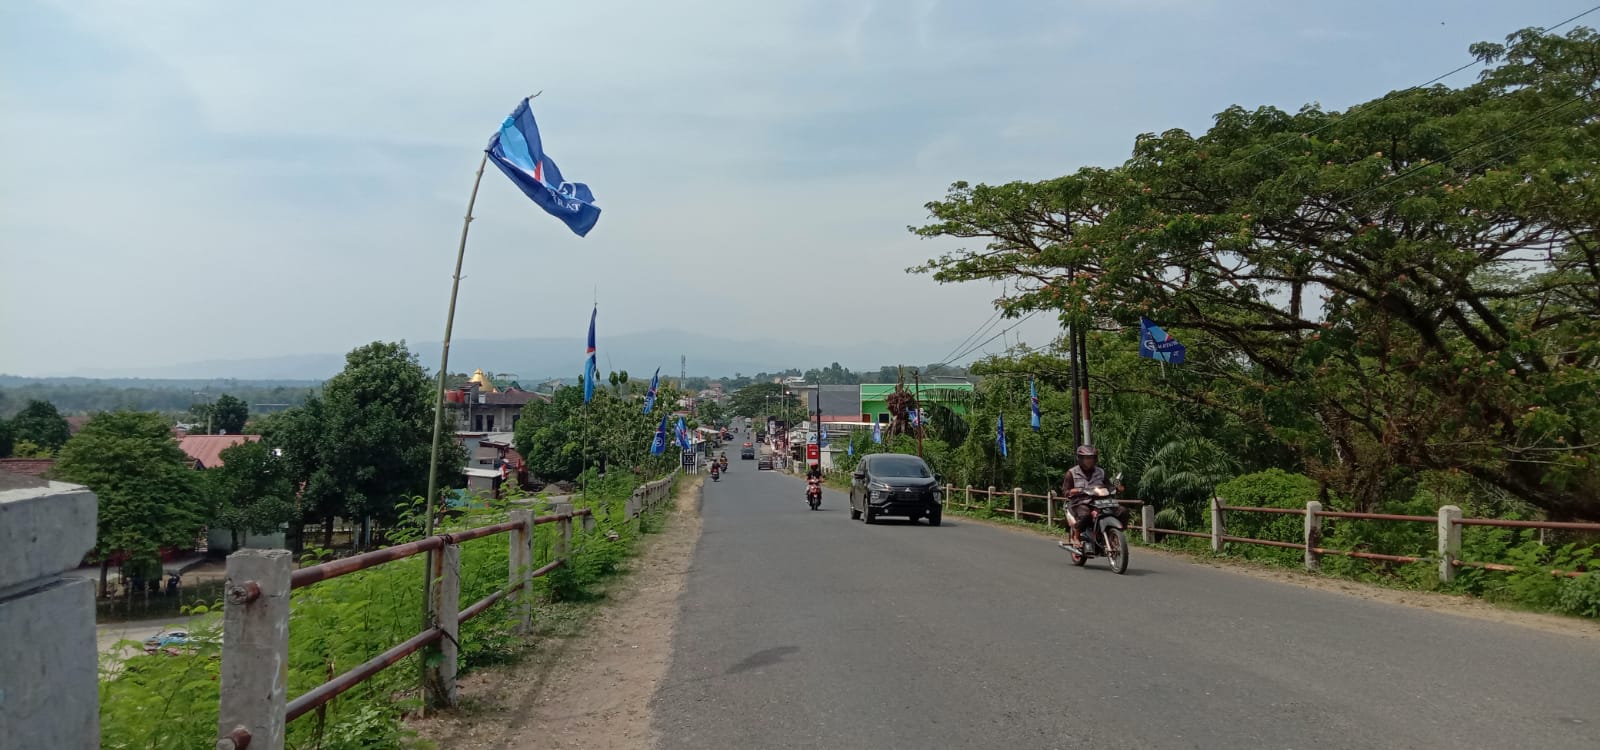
(1273, 488)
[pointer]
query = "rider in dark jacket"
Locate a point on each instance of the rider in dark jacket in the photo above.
(1085, 476)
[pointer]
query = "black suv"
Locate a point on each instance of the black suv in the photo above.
(894, 484)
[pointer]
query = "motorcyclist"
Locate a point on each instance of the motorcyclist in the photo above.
(1086, 475)
(813, 480)
(716, 470)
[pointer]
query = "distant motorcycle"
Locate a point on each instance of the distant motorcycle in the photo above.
(814, 493)
(716, 473)
(1105, 535)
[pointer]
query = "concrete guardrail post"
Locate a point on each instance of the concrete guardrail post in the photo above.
(1449, 542)
(441, 681)
(564, 526)
(988, 499)
(1217, 531)
(255, 649)
(1147, 524)
(967, 503)
(1313, 535)
(1016, 503)
(521, 541)
(48, 674)
(1050, 508)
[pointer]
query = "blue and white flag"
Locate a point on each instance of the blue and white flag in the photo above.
(822, 438)
(916, 417)
(659, 445)
(1033, 403)
(1155, 343)
(877, 432)
(683, 435)
(1000, 435)
(650, 396)
(850, 448)
(589, 370)
(517, 150)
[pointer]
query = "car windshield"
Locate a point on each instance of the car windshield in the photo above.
(900, 466)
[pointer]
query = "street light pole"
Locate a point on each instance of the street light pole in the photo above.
(922, 418)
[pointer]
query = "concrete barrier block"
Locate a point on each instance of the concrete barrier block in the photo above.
(44, 530)
(49, 695)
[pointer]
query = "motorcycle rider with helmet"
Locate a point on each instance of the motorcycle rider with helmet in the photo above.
(1086, 475)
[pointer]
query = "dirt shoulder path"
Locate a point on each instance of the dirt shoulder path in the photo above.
(591, 690)
(1452, 604)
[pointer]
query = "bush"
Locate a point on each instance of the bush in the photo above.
(1273, 488)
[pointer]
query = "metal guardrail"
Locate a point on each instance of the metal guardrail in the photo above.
(1449, 522)
(254, 710)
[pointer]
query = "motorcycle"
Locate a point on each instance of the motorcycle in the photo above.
(716, 474)
(814, 494)
(1105, 536)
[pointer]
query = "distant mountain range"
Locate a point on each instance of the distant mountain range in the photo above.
(535, 359)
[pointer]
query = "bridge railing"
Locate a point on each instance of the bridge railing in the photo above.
(255, 711)
(1448, 522)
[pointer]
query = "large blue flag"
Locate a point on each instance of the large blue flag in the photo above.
(659, 445)
(518, 152)
(1033, 403)
(1000, 435)
(589, 370)
(683, 435)
(1155, 343)
(877, 432)
(650, 396)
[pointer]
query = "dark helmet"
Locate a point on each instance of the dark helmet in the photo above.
(1087, 451)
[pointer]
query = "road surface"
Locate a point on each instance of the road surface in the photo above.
(806, 629)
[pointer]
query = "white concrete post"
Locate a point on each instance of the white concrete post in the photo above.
(1016, 503)
(1216, 524)
(441, 682)
(967, 503)
(1449, 542)
(1313, 538)
(1147, 524)
(255, 649)
(1050, 508)
(564, 540)
(521, 541)
(988, 499)
(48, 697)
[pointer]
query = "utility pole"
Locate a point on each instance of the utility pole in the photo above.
(922, 419)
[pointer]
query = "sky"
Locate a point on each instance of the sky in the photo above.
(188, 180)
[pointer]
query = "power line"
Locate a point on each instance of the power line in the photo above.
(986, 341)
(1357, 111)
(981, 329)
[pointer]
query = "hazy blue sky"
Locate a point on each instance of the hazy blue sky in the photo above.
(198, 179)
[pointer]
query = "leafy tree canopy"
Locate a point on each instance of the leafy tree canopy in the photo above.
(39, 423)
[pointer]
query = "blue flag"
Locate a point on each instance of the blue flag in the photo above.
(822, 437)
(1155, 343)
(877, 432)
(683, 435)
(850, 448)
(916, 417)
(659, 445)
(589, 370)
(518, 152)
(1000, 435)
(650, 396)
(1033, 403)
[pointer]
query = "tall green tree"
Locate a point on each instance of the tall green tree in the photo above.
(362, 445)
(39, 423)
(228, 415)
(251, 491)
(1405, 286)
(148, 496)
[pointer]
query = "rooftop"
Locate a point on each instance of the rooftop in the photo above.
(206, 450)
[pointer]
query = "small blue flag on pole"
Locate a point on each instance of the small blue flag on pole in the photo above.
(659, 445)
(1155, 343)
(683, 435)
(877, 433)
(650, 396)
(1033, 403)
(517, 150)
(916, 417)
(1000, 435)
(850, 448)
(822, 436)
(589, 370)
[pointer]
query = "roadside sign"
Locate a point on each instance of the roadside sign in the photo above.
(813, 453)
(688, 459)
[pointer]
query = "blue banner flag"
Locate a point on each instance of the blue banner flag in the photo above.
(1155, 343)
(1033, 403)
(518, 152)
(1000, 435)
(822, 437)
(659, 445)
(589, 370)
(650, 396)
(877, 433)
(683, 435)
(850, 448)
(916, 417)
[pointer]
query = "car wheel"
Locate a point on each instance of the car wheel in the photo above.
(854, 514)
(935, 517)
(866, 513)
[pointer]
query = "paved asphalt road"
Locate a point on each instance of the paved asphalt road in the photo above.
(808, 630)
